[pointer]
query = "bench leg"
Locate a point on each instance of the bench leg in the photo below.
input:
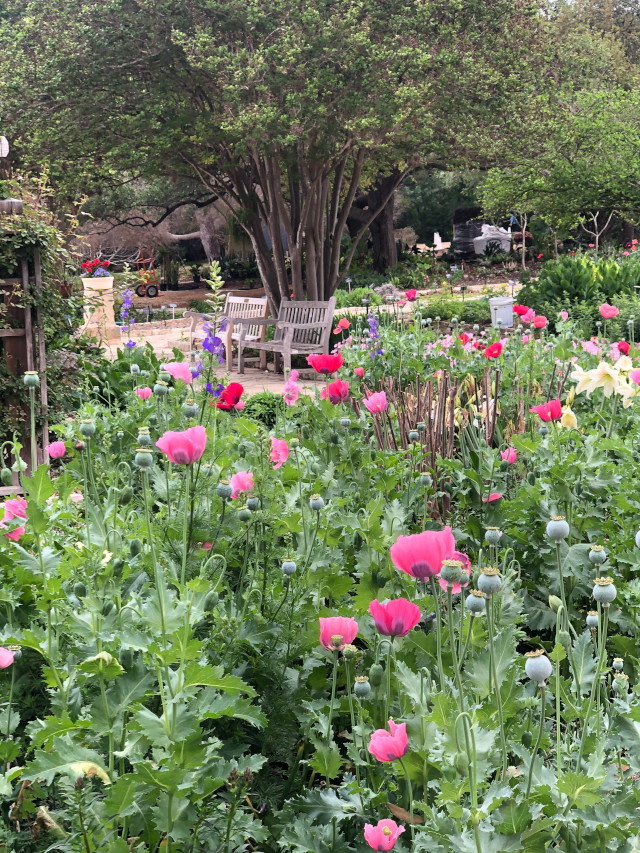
(263, 359)
(240, 358)
(286, 355)
(228, 351)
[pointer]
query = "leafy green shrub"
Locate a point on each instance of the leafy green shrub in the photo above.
(264, 407)
(344, 299)
(471, 311)
(202, 306)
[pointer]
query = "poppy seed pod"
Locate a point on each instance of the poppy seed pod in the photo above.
(87, 428)
(592, 619)
(316, 502)
(426, 479)
(345, 422)
(543, 431)
(452, 572)
(604, 591)
(160, 389)
(349, 651)
(253, 504)
(493, 535)
(164, 376)
(144, 439)
(134, 369)
(361, 687)
(476, 601)
(224, 490)
(421, 427)
(244, 513)
(489, 581)
(617, 664)
(597, 555)
(620, 683)
(558, 528)
(31, 379)
(189, 408)
(414, 435)
(538, 666)
(638, 539)
(143, 458)
(288, 567)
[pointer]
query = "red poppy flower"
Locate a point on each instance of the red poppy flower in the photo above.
(541, 255)
(494, 350)
(336, 392)
(479, 345)
(551, 411)
(623, 347)
(106, 264)
(465, 338)
(230, 396)
(325, 364)
(520, 310)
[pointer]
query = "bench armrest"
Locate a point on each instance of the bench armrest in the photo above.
(252, 321)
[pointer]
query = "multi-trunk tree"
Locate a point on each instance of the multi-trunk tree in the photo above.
(282, 110)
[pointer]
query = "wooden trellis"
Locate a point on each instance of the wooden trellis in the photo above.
(24, 347)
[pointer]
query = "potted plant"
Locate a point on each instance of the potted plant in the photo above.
(98, 299)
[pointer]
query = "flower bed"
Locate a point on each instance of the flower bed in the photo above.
(400, 615)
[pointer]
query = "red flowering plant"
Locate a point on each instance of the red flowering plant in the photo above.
(96, 268)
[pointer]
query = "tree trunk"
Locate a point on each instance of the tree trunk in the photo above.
(385, 252)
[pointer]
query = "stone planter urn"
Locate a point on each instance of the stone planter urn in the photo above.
(99, 318)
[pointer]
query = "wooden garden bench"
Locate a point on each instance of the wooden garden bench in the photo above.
(302, 328)
(236, 308)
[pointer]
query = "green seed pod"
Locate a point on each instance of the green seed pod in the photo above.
(504, 465)
(316, 467)
(108, 608)
(6, 477)
(210, 600)
(449, 772)
(126, 658)
(334, 438)
(564, 638)
(126, 494)
(135, 547)
(375, 675)
(244, 513)
(31, 379)
(305, 431)
(526, 739)
(117, 564)
(80, 590)
(461, 763)
(372, 454)
(531, 478)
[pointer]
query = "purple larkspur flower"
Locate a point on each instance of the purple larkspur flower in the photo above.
(216, 391)
(130, 344)
(197, 369)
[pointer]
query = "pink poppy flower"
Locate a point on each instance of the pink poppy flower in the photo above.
(411, 295)
(421, 554)
(494, 496)
(539, 322)
(383, 835)
(291, 389)
(551, 411)
(529, 316)
(325, 364)
(56, 449)
(336, 392)
(376, 402)
(15, 508)
(241, 482)
(608, 312)
(564, 315)
(466, 567)
(206, 546)
(626, 254)
(15, 534)
(525, 340)
(183, 448)
(590, 347)
(509, 455)
(343, 627)
(359, 372)
(279, 452)
(389, 745)
(143, 393)
(6, 657)
(179, 370)
(239, 406)
(395, 618)
(343, 325)
(634, 376)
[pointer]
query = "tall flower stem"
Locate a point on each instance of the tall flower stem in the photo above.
(351, 712)
(304, 526)
(436, 604)
(334, 681)
(34, 446)
(470, 742)
(410, 795)
(557, 691)
(492, 657)
(565, 610)
(472, 616)
(387, 699)
(538, 739)
(452, 644)
(185, 523)
(595, 686)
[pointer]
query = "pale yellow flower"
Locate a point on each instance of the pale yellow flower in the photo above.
(568, 419)
(605, 377)
(583, 378)
(624, 364)
(627, 392)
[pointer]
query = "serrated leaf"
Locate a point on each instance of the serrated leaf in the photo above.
(66, 759)
(326, 762)
(213, 676)
(44, 731)
(326, 806)
(558, 654)
(213, 706)
(581, 790)
(514, 817)
(584, 662)
(39, 487)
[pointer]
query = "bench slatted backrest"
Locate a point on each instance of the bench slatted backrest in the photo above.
(246, 306)
(318, 313)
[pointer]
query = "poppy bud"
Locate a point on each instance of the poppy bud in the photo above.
(564, 638)
(531, 478)
(375, 675)
(210, 600)
(108, 608)
(461, 763)
(526, 739)
(6, 476)
(79, 590)
(126, 494)
(135, 547)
